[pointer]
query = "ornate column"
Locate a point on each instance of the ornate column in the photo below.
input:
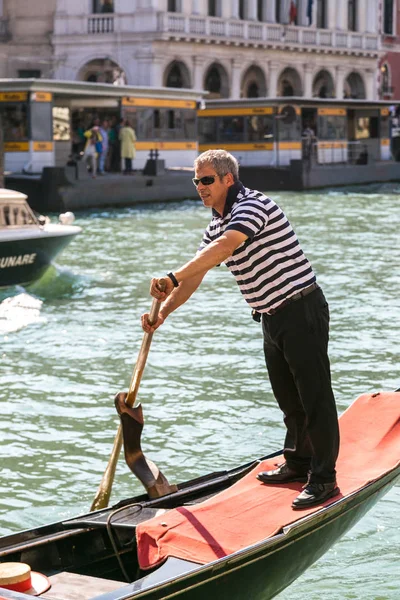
(372, 17)
(273, 79)
(370, 84)
(270, 11)
(195, 7)
(361, 16)
(198, 75)
(235, 9)
(308, 71)
(235, 78)
(341, 15)
(331, 17)
(251, 13)
(339, 82)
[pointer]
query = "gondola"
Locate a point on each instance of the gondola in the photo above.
(28, 244)
(223, 535)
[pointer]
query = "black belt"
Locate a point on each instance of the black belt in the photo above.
(298, 296)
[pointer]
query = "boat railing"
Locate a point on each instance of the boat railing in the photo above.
(337, 151)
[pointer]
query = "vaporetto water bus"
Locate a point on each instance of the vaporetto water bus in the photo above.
(44, 122)
(297, 142)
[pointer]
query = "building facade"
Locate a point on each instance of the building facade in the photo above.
(389, 64)
(26, 29)
(231, 48)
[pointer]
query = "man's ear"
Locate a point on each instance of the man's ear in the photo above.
(229, 179)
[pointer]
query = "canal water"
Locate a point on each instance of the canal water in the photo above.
(69, 343)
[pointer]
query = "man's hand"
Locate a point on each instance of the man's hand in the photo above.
(146, 325)
(155, 288)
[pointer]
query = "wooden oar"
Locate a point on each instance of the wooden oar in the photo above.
(153, 480)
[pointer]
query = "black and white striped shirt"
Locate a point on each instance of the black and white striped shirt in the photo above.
(269, 266)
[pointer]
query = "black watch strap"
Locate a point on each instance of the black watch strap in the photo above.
(173, 279)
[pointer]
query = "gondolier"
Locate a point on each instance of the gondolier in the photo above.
(252, 235)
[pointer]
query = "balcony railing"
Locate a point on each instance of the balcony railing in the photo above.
(214, 28)
(198, 26)
(101, 24)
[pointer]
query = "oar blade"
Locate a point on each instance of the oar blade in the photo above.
(153, 480)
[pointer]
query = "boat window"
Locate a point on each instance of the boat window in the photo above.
(16, 215)
(15, 119)
(41, 121)
(332, 127)
(289, 132)
(145, 123)
(362, 128)
(231, 129)
(207, 130)
(61, 124)
(260, 128)
(189, 124)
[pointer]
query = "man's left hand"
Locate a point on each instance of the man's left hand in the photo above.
(155, 288)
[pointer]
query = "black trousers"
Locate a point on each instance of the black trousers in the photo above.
(296, 354)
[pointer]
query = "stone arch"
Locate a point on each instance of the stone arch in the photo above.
(253, 83)
(102, 70)
(216, 81)
(354, 86)
(323, 85)
(177, 75)
(289, 83)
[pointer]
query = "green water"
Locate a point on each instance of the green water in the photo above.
(206, 396)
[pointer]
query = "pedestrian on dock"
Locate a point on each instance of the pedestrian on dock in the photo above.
(127, 137)
(103, 129)
(251, 234)
(91, 151)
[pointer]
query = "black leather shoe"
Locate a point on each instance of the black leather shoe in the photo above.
(283, 474)
(315, 493)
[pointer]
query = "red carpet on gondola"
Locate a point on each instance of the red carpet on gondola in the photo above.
(249, 511)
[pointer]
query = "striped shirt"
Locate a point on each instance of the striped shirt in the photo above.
(269, 266)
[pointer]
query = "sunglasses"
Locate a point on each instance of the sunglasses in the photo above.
(207, 180)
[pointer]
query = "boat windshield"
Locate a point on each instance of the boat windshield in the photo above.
(16, 214)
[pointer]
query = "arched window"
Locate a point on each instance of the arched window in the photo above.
(287, 88)
(175, 78)
(253, 90)
(213, 81)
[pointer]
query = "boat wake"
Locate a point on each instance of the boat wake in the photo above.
(18, 312)
(57, 282)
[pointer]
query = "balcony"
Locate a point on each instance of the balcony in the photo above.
(184, 27)
(252, 33)
(100, 24)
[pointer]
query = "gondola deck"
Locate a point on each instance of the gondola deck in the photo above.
(91, 557)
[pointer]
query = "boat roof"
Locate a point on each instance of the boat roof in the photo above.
(94, 89)
(298, 100)
(12, 195)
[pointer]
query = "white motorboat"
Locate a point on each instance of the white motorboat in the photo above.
(28, 243)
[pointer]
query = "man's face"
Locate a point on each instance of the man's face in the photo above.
(213, 195)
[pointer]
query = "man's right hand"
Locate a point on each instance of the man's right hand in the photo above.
(146, 325)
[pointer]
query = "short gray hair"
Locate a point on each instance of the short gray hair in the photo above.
(221, 161)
